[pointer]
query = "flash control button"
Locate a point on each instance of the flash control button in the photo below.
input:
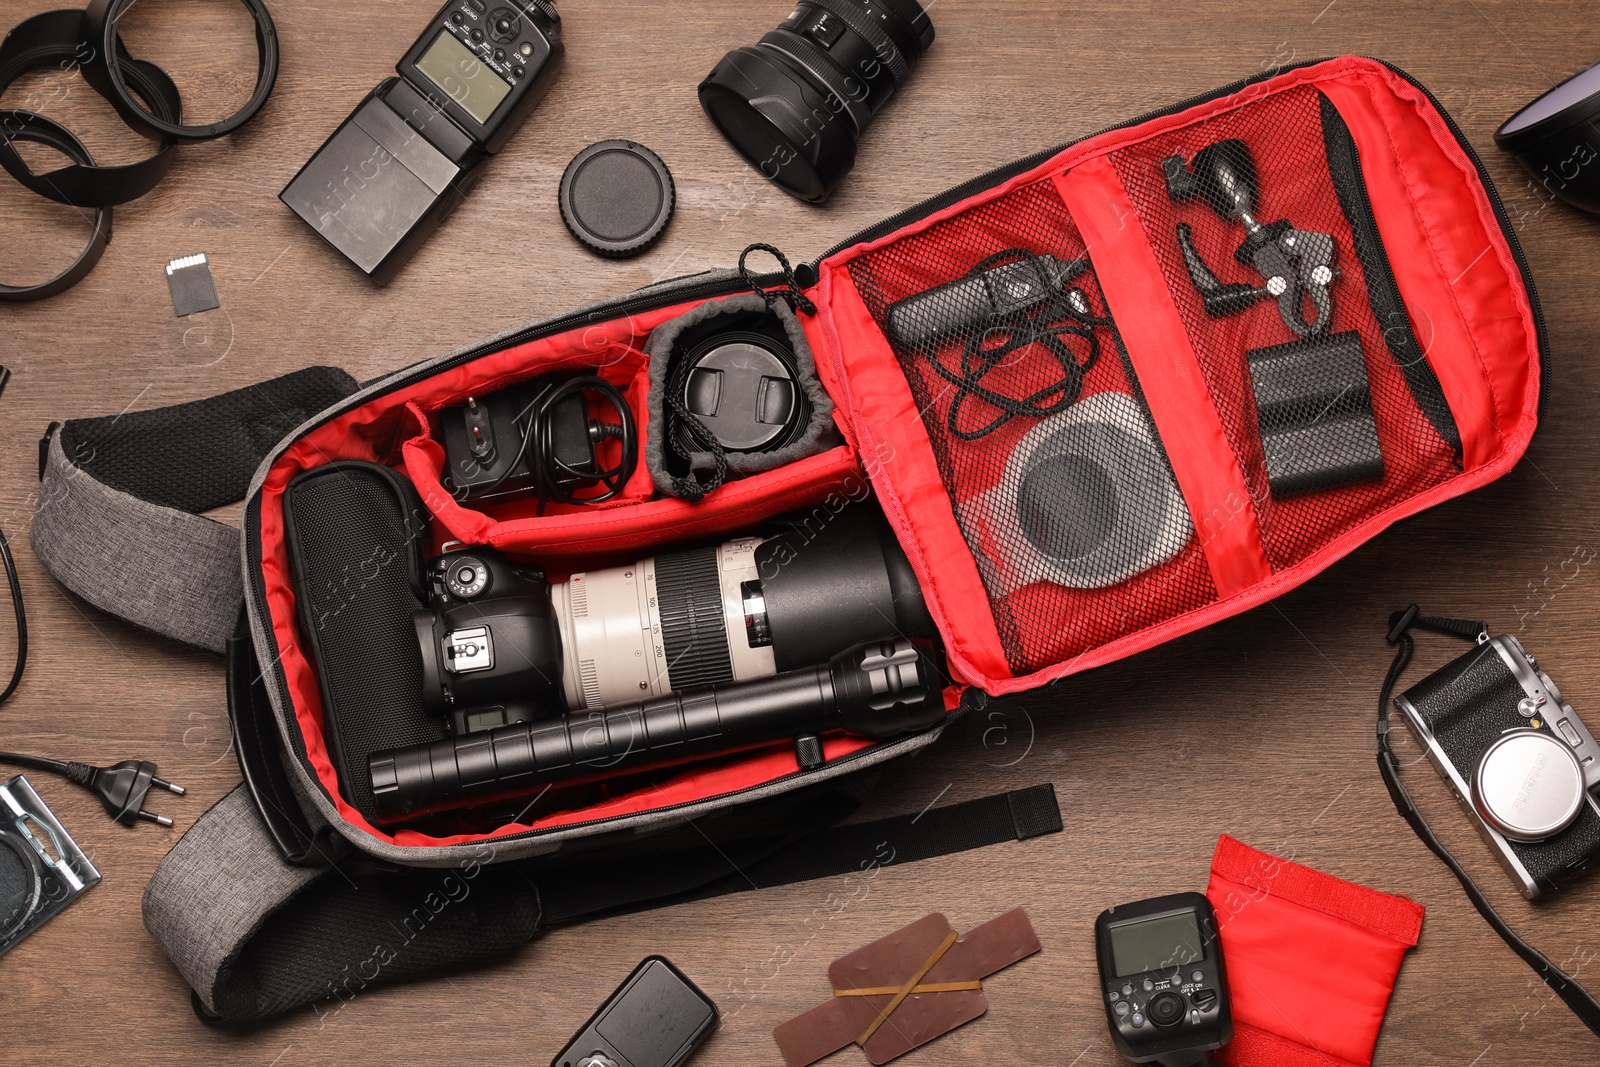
(1167, 1009)
(1122, 1007)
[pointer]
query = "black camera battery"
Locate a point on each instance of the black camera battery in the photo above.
(656, 1018)
(411, 150)
(1315, 411)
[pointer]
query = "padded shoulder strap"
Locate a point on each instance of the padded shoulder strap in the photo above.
(118, 518)
(255, 936)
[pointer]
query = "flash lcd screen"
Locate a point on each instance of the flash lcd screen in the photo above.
(451, 66)
(1153, 944)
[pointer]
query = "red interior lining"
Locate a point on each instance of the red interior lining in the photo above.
(1284, 133)
(1432, 215)
(392, 429)
(1039, 623)
(1487, 359)
(1426, 194)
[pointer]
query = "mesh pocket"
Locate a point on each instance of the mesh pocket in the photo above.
(1336, 420)
(1060, 483)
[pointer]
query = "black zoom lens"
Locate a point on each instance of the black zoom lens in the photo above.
(795, 104)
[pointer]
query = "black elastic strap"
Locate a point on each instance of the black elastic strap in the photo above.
(1401, 623)
(60, 39)
(26, 126)
(852, 848)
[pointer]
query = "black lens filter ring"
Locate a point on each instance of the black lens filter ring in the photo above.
(111, 81)
(57, 39)
(26, 126)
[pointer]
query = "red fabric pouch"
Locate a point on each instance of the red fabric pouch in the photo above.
(1311, 958)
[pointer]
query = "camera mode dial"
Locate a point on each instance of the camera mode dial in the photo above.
(466, 577)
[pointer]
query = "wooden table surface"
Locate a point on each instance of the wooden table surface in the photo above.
(1260, 727)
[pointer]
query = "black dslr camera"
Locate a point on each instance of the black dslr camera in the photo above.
(1517, 757)
(705, 650)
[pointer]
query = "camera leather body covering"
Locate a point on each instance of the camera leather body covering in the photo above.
(1346, 147)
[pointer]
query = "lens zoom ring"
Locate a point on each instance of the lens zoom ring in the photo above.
(875, 35)
(693, 630)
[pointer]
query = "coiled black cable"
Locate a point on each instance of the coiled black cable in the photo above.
(548, 471)
(1064, 315)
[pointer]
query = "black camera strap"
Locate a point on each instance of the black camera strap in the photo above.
(1401, 623)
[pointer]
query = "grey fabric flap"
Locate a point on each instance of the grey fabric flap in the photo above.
(166, 570)
(216, 887)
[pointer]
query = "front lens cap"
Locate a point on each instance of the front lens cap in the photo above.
(1528, 785)
(617, 198)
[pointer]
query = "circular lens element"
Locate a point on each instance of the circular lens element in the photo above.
(795, 103)
(1528, 785)
(1555, 140)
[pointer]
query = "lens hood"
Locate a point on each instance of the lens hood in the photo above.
(108, 78)
(26, 126)
(800, 139)
(1555, 139)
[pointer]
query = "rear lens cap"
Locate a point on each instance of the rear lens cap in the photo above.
(617, 197)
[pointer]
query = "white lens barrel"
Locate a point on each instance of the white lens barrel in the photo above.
(613, 643)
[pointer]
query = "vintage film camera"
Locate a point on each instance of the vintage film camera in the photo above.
(1517, 757)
